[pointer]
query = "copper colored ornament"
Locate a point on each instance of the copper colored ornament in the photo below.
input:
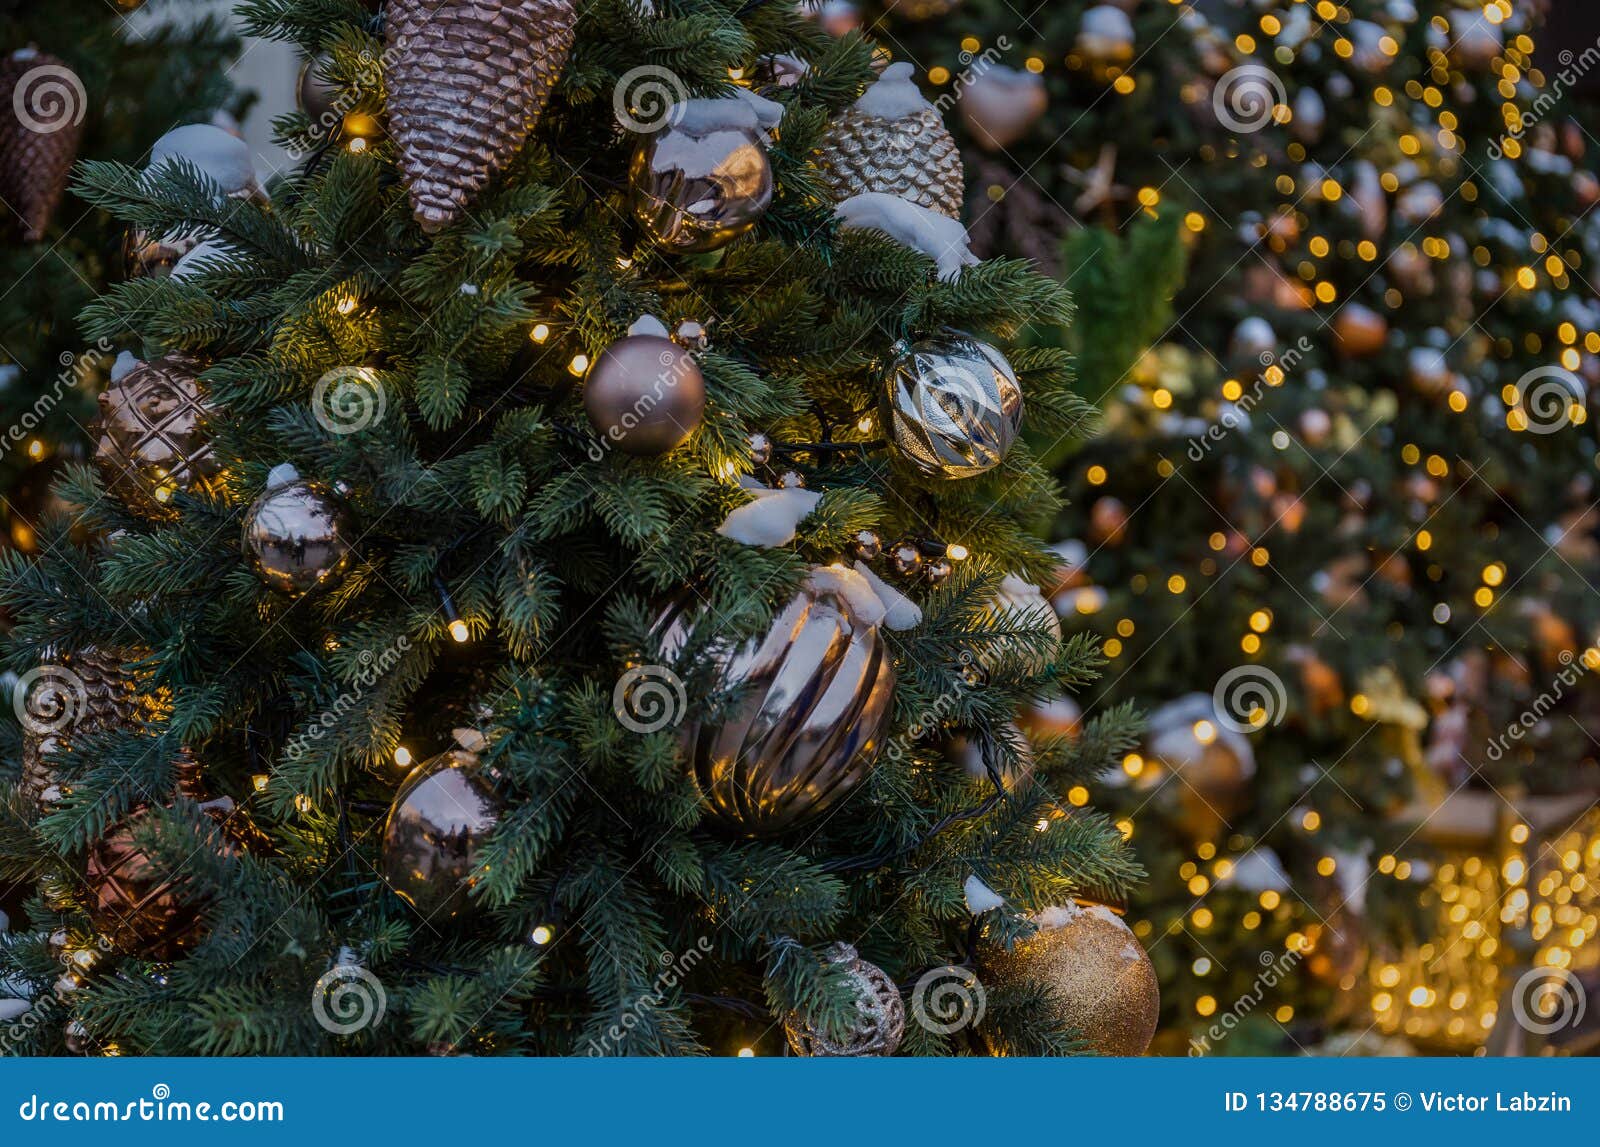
(314, 93)
(84, 692)
(905, 558)
(432, 839)
(875, 1029)
(1100, 981)
(866, 545)
(152, 438)
(468, 80)
(644, 394)
(298, 536)
(910, 154)
(1001, 104)
(147, 257)
(700, 183)
(1360, 331)
(1213, 762)
(955, 404)
(1105, 35)
(42, 105)
(814, 704)
(1108, 521)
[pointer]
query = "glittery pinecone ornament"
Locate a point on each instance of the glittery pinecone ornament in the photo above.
(467, 83)
(151, 435)
(891, 140)
(84, 692)
(42, 104)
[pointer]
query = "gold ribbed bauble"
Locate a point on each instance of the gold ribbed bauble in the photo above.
(879, 1022)
(1101, 983)
(892, 141)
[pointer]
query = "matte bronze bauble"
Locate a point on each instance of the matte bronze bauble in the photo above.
(814, 701)
(876, 1028)
(700, 183)
(955, 405)
(436, 828)
(152, 437)
(298, 536)
(644, 394)
(1100, 981)
(893, 142)
(317, 95)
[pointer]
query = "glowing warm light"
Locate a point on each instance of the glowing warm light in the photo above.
(402, 756)
(459, 630)
(542, 935)
(540, 332)
(579, 364)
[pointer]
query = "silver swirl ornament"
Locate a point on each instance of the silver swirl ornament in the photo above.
(955, 405)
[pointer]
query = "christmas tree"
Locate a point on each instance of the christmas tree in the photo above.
(588, 606)
(77, 80)
(1340, 529)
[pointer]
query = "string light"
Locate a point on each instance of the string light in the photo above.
(402, 756)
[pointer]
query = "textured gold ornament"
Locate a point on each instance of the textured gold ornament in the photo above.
(436, 827)
(878, 1025)
(1101, 982)
(152, 438)
(468, 82)
(87, 691)
(815, 698)
(955, 405)
(298, 536)
(909, 153)
(42, 105)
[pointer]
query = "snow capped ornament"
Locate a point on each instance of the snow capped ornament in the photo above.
(955, 403)
(1001, 104)
(899, 611)
(1366, 191)
(644, 393)
(1106, 35)
(468, 80)
(218, 155)
(1359, 331)
(151, 434)
(939, 237)
(1474, 40)
(1310, 115)
(893, 141)
(876, 1028)
(980, 897)
(42, 105)
(1100, 981)
(704, 179)
(298, 536)
(1021, 605)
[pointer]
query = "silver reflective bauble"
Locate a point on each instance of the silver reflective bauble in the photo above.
(813, 704)
(298, 536)
(956, 406)
(644, 395)
(698, 190)
(435, 831)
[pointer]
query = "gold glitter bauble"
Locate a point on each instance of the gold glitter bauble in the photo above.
(880, 1020)
(910, 154)
(1100, 980)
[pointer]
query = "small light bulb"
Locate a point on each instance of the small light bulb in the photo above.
(259, 782)
(358, 145)
(346, 305)
(540, 332)
(36, 449)
(747, 1053)
(542, 935)
(957, 552)
(459, 630)
(579, 364)
(402, 756)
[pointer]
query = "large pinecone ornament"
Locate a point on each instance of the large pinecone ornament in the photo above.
(42, 104)
(892, 140)
(467, 85)
(84, 692)
(151, 436)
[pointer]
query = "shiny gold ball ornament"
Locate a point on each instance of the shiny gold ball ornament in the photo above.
(1101, 983)
(703, 179)
(42, 107)
(436, 827)
(955, 404)
(893, 141)
(814, 702)
(152, 437)
(879, 1022)
(468, 80)
(644, 394)
(298, 536)
(1212, 760)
